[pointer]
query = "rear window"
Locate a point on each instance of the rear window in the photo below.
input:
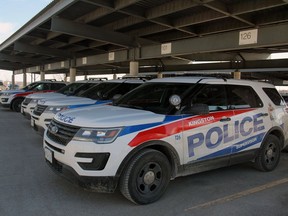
(274, 96)
(242, 97)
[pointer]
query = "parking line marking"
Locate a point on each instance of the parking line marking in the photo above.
(240, 194)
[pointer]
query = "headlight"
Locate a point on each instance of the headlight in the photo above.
(35, 100)
(99, 135)
(56, 109)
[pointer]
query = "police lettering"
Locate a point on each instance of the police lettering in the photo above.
(221, 134)
(66, 119)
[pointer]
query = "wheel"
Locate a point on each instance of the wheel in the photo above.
(146, 177)
(16, 104)
(269, 154)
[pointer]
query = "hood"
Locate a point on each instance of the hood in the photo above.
(67, 101)
(107, 116)
(44, 95)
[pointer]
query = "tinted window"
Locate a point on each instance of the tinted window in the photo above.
(274, 96)
(212, 95)
(243, 97)
(57, 86)
(69, 89)
(106, 90)
(41, 87)
(83, 88)
(154, 97)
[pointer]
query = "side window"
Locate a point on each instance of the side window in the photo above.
(274, 96)
(212, 95)
(57, 86)
(40, 87)
(241, 97)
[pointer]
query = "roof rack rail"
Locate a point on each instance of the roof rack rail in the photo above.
(98, 78)
(52, 80)
(136, 77)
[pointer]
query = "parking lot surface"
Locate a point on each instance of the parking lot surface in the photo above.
(28, 186)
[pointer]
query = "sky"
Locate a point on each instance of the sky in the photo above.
(13, 15)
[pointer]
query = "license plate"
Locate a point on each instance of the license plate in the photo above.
(32, 122)
(48, 155)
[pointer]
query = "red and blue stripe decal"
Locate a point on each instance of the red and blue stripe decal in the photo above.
(174, 124)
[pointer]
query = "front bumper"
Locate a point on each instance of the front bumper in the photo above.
(27, 110)
(40, 123)
(104, 184)
(94, 166)
(5, 101)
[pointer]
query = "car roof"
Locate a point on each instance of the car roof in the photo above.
(210, 80)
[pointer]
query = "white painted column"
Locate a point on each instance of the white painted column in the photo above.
(237, 74)
(159, 75)
(134, 68)
(65, 77)
(42, 75)
(13, 80)
(24, 78)
(72, 75)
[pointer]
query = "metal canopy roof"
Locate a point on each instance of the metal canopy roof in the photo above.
(103, 36)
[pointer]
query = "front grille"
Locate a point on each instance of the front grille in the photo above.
(61, 133)
(39, 109)
(27, 101)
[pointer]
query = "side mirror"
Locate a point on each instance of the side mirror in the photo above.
(197, 109)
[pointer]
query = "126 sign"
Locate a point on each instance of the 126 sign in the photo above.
(248, 37)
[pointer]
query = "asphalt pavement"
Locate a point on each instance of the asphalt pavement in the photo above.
(29, 188)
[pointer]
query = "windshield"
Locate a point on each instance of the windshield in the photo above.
(70, 89)
(154, 97)
(106, 90)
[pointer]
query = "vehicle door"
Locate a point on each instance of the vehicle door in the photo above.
(251, 121)
(208, 136)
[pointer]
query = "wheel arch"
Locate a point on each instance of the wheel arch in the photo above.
(15, 98)
(161, 146)
(276, 131)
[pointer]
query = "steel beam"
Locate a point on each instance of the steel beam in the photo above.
(91, 32)
(20, 59)
(22, 47)
(228, 41)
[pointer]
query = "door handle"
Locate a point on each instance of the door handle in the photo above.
(263, 114)
(225, 119)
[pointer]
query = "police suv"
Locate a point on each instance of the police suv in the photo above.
(13, 98)
(74, 88)
(103, 93)
(168, 128)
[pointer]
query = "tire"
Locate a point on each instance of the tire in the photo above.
(269, 154)
(16, 104)
(146, 177)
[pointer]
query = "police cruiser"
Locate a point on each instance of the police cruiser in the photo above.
(13, 98)
(97, 95)
(168, 128)
(74, 88)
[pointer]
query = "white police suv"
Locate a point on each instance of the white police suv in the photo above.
(13, 98)
(97, 95)
(30, 101)
(168, 128)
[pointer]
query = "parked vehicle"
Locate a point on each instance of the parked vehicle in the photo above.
(13, 98)
(77, 87)
(103, 93)
(167, 128)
